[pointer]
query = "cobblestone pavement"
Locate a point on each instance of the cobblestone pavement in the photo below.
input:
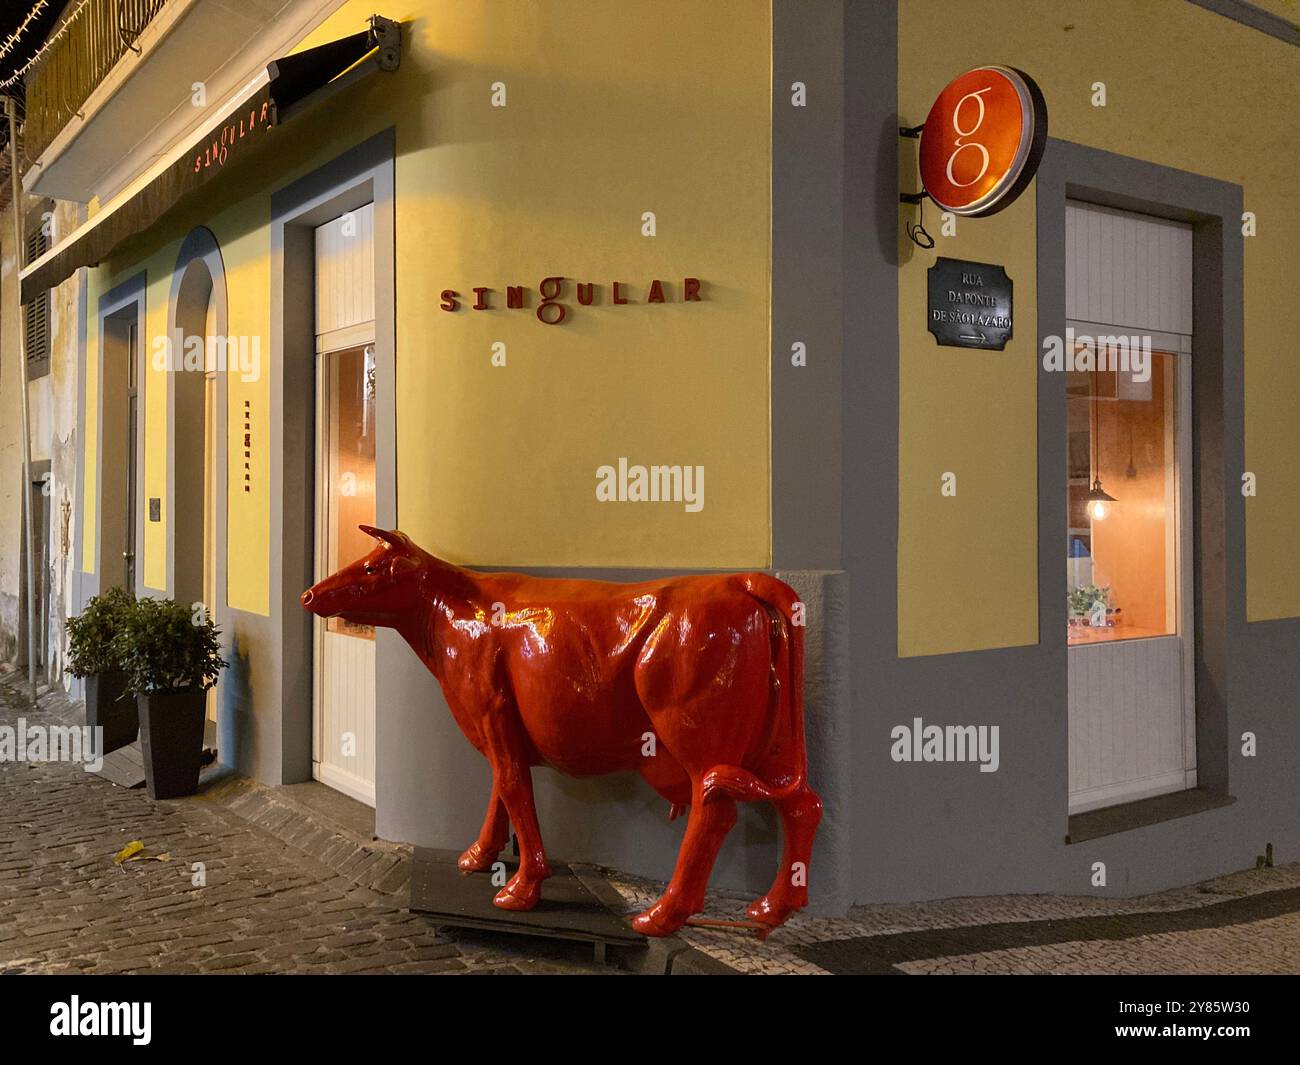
(266, 907)
(1247, 922)
(270, 906)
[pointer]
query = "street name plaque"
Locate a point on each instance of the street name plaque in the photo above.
(969, 304)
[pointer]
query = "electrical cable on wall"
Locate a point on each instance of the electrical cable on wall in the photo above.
(917, 231)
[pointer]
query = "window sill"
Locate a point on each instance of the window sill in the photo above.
(1125, 817)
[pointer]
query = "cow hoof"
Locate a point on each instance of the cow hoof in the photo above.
(475, 860)
(518, 895)
(658, 920)
(772, 914)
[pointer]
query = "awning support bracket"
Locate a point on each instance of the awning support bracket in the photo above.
(292, 83)
(386, 35)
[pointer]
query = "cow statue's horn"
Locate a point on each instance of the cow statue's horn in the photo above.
(393, 538)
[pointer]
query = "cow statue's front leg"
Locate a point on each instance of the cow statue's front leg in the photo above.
(492, 837)
(512, 780)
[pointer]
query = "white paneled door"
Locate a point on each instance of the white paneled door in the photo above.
(344, 740)
(1129, 612)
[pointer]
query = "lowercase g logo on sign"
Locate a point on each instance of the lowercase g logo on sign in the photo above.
(982, 140)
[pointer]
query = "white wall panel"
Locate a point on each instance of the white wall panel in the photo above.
(345, 270)
(1127, 270)
(1126, 721)
(348, 701)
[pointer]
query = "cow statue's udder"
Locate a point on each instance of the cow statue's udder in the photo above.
(695, 682)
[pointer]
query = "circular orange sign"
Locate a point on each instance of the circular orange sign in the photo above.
(982, 140)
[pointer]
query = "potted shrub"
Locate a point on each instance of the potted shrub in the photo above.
(92, 656)
(171, 657)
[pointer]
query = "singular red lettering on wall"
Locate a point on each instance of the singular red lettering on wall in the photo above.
(550, 311)
(982, 141)
(218, 151)
(550, 305)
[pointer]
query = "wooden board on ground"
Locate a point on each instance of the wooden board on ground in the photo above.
(569, 909)
(124, 767)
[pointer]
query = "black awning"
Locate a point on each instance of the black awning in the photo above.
(292, 81)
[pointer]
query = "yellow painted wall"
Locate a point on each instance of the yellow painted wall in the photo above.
(1188, 89)
(243, 232)
(968, 564)
(612, 110)
(153, 407)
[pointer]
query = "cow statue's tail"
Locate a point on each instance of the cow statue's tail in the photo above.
(787, 756)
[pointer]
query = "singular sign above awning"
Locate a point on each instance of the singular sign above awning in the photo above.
(288, 85)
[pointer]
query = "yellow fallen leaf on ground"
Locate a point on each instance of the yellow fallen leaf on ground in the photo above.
(129, 851)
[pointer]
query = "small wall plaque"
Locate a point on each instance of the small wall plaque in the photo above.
(969, 304)
(155, 509)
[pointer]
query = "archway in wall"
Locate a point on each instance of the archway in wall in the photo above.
(190, 516)
(196, 540)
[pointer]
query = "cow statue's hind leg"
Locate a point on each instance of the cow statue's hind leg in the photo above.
(712, 729)
(800, 814)
(701, 723)
(706, 828)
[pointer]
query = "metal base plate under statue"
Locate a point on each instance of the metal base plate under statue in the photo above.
(576, 903)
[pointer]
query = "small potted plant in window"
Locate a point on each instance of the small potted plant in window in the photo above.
(171, 656)
(1088, 606)
(93, 657)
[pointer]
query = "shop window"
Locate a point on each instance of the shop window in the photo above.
(1122, 542)
(349, 452)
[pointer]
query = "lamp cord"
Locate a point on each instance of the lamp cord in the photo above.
(917, 232)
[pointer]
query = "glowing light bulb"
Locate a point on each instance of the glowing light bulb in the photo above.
(1099, 501)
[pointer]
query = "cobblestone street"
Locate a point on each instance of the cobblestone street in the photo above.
(267, 906)
(279, 896)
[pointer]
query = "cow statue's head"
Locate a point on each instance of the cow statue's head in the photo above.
(383, 588)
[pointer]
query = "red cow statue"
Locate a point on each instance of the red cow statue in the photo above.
(588, 677)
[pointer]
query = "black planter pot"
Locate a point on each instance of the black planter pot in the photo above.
(108, 706)
(171, 741)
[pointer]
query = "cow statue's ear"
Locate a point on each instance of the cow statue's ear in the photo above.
(393, 539)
